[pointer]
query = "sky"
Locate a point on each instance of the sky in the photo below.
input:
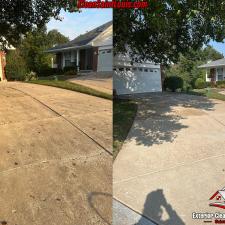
(74, 24)
(220, 47)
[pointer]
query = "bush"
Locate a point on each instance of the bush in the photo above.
(173, 83)
(16, 67)
(70, 68)
(220, 82)
(30, 76)
(45, 72)
(70, 72)
(200, 83)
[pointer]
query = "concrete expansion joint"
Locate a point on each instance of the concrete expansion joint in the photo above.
(52, 161)
(67, 120)
(167, 169)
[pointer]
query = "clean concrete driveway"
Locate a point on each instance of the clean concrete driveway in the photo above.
(173, 160)
(99, 83)
(55, 165)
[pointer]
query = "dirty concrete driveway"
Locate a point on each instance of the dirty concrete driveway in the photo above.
(55, 165)
(173, 160)
(100, 83)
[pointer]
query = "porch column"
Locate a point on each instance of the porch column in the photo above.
(78, 60)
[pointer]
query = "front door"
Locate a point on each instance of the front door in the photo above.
(86, 59)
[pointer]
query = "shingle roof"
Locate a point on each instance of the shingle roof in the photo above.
(217, 63)
(83, 39)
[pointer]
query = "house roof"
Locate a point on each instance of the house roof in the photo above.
(83, 39)
(217, 63)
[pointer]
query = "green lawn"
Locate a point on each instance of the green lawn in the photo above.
(72, 87)
(124, 112)
(210, 93)
(57, 77)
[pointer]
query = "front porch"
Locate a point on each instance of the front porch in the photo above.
(215, 74)
(85, 60)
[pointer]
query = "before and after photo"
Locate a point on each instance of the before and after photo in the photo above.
(112, 112)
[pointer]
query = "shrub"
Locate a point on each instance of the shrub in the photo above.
(70, 68)
(30, 76)
(16, 67)
(221, 82)
(45, 72)
(70, 72)
(200, 83)
(173, 83)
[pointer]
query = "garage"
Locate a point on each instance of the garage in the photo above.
(105, 59)
(140, 78)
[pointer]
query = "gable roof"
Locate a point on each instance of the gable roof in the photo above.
(83, 39)
(217, 63)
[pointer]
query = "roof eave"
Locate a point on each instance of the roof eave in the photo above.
(68, 48)
(211, 66)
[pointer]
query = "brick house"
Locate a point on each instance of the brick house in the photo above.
(90, 52)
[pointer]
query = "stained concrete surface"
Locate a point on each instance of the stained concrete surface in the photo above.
(173, 159)
(52, 169)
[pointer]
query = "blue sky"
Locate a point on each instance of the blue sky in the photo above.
(74, 24)
(220, 47)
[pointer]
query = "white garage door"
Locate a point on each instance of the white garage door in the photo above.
(137, 80)
(105, 59)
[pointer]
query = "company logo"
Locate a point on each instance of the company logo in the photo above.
(218, 199)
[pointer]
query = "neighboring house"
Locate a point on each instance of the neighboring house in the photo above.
(215, 70)
(89, 52)
(132, 78)
(2, 66)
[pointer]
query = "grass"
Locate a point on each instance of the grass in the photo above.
(72, 87)
(124, 112)
(58, 77)
(210, 93)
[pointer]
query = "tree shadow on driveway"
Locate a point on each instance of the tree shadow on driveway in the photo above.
(159, 116)
(159, 210)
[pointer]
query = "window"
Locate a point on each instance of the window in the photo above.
(127, 69)
(146, 70)
(109, 51)
(121, 69)
(220, 74)
(151, 71)
(140, 69)
(134, 69)
(67, 56)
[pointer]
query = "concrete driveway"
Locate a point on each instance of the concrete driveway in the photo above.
(173, 160)
(55, 164)
(99, 83)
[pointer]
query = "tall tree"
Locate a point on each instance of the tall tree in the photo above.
(168, 27)
(17, 17)
(187, 65)
(34, 45)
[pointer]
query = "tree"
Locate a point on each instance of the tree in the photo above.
(17, 17)
(54, 37)
(16, 67)
(34, 45)
(167, 28)
(187, 65)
